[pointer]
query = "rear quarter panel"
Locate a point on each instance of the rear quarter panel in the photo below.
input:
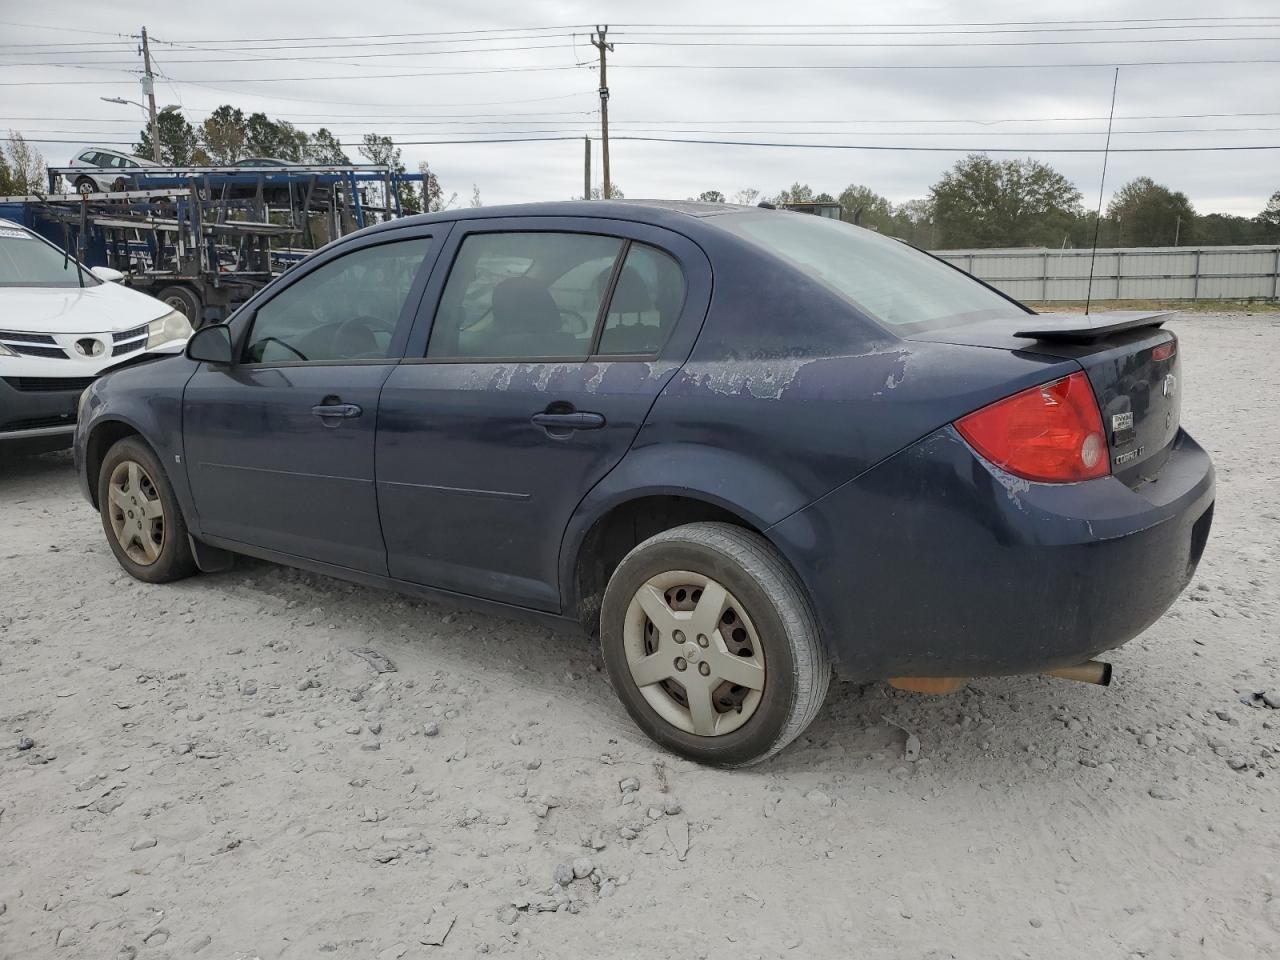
(791, 379)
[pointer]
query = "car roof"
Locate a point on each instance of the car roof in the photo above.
(663, 213)
(118, 153)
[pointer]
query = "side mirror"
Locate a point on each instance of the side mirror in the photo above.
(211, 344)
(106, 274)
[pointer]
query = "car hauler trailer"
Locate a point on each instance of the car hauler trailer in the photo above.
(205, 239)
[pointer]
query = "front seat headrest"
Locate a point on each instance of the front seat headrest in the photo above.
(523, 305)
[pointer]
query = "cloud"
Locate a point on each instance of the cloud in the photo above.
(820, 103)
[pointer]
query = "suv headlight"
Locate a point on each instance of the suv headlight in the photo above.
(172, 326)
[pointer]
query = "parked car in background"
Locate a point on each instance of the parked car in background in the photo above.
(110, 171)
(746, 447)
(61, 325)
(260, 162)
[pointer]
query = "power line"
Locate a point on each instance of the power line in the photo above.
(673, 66)
(965, 43)
(801, 31)
(326, 59)
(40, 26)
(346, 77)
(631, 128)
(339, 58)
(430, 119)
(935, 66)
(384, 36)
(962, 23)
(914, 149)
(347, 42)
(576, 137)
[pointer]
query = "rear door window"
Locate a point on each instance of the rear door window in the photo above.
(524, 296)
(646, 302)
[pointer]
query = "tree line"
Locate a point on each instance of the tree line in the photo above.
(982, 202)
(228, 134)
(979, 202)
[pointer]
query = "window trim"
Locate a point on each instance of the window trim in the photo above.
(684, 284)
(403, 323)
(603, 313)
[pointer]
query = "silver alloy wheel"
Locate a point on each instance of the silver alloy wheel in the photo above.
(694, 653)
(136, 513)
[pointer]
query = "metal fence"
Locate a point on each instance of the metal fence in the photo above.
(1132, 273)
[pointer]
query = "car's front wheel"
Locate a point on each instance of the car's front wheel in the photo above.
(711, 644)
(140, 514)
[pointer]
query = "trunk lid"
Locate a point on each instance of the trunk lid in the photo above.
(1132, 364)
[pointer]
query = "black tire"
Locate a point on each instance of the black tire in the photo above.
(174, 560)
(85, 185)
(755, 574)
(185, 301)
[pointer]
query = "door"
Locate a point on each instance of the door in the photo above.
(279, 446)
(547, 349)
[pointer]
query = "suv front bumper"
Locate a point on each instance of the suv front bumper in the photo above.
(39, 408)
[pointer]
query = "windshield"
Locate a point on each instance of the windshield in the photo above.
(27, 261)
(889, 281)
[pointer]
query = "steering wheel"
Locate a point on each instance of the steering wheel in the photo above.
(292, 349)
(358, 335)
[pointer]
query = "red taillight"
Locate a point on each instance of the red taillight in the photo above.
(1051, 433)
(1164, 351)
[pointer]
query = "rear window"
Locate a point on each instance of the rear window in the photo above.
(889, 281)
(27, 261)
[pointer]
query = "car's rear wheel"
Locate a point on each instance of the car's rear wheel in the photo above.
(140, 515)
(711, 644)
(85, 185)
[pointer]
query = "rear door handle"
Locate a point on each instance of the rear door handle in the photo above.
(569, 421)
(340, 411)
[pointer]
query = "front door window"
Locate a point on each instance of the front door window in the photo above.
(346, 310)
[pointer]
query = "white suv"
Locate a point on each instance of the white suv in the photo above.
(106, 169)
(61, 325)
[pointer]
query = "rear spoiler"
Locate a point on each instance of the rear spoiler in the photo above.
(1086, 328)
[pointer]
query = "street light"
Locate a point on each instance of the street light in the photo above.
(155, 131)
(122, 101)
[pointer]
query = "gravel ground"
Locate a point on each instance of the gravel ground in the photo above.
(209, 769)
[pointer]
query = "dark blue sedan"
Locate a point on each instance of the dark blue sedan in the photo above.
(748, 448)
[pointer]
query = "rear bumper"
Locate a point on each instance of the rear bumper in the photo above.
(44, 416)
(935, 563)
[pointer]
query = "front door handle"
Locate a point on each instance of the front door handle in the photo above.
(578, 420)
(339, 411)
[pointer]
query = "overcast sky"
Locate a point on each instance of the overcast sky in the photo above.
(814, 98)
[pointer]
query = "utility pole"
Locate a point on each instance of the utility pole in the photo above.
(586, 168)
(599, 42)
(149, 88)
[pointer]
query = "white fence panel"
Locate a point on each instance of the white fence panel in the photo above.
(1134, 273)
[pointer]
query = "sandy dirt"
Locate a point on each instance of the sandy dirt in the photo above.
(214, 772)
